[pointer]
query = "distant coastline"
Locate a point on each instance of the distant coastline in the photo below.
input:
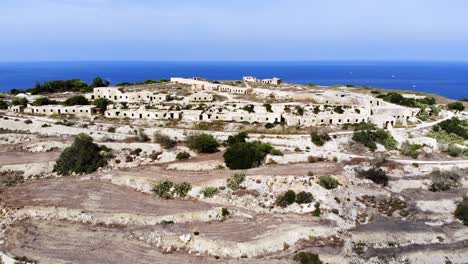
(448, 79)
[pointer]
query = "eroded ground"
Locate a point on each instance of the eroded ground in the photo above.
(111, 216)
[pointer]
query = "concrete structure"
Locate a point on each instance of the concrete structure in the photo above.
(142, 113)
(201, 97)
(78, 110)
(198, 84)
(16, 108)
(116, 94)
(272, 81)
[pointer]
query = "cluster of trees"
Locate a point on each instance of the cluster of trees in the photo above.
(149, 81)
(83, 156)
(456, 106)
(369, 136)
(58, 86)
(167, 189)
(453, 126)
(289, 197)
(396, 98)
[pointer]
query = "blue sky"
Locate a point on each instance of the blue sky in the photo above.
(49, 30)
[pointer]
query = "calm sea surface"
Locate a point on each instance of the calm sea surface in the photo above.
(449, 79)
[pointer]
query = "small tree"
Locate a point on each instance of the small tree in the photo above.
(99, 82)
(307, 258)
(209, 192)
(317, 211)
(286, 198)
(456, 106)
(3, 104)
(163, 189)
(182, 189)
(245, 155)
(20, 101)
(202, 143)
(376, 175)
(328, 182)
(83, 156)
(268, 108)
(304, 197)
(461, 212)
(184, 155)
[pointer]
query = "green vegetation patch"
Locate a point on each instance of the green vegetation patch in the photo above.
(369, 136)
(83, 156)
(202, 143)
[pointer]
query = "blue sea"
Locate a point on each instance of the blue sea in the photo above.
(449, 79)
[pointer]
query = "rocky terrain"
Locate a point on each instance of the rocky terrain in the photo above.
(113, 215)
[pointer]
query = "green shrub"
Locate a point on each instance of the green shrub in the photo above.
(338, 110)
(268, 108)
(182, 189)
(376, 175)
(209, 192)
(240, 137)
(235, 181)
(165, 141)
(269, 125)
(163, 189)
(328, 182)
(307, 258)
(20, 101)
(43, 101)
(317, 211)
(319, 139)
(249, 108)
(246, 155)
(304, 197)
(76, 100)
(202, 143)
(3, 104)
(411, 150)
(456, 106)
(286, 198)
(167, 189)
(453, 126)
(83, 156)
(369, 138)
(183, 155)
(461, 212)
(313, 159)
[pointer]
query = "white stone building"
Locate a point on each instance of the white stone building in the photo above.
(201, 97)
(77, 110)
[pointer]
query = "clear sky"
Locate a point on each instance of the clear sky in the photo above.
(45, 30)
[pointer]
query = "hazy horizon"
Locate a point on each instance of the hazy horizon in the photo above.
(208, 30)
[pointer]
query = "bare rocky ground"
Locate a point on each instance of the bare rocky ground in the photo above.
(111, 216)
